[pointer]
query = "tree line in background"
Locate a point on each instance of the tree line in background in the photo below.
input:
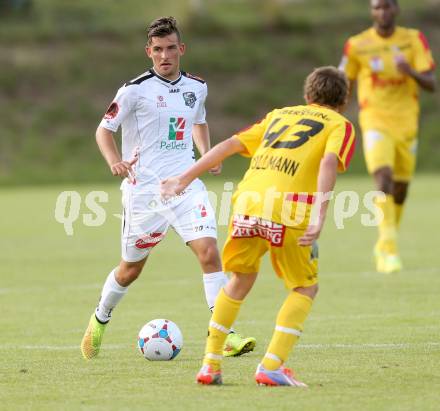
(62, 63)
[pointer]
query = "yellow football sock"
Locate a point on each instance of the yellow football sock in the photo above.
(289, 326)
(387, 227)
(398, 209)
(225, 312)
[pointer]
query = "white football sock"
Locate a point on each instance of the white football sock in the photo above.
(213, 283)
(111, 294)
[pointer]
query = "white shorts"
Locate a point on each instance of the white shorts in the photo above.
(146, 219)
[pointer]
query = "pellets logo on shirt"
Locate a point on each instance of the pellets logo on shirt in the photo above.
(176, 128)
(176, 133)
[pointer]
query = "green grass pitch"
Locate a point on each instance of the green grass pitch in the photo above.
(371, 343)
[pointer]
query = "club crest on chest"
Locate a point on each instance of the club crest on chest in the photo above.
(190, 98)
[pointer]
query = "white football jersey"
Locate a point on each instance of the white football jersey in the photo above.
(157, 116)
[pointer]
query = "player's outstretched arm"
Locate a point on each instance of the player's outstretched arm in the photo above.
(109, 150)
(328, 172)
(175, 185)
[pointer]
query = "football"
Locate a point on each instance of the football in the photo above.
(160, 340)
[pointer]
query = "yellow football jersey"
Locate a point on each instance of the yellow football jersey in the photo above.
(383, 91)
(286, 149)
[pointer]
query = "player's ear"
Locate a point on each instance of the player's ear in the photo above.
(148, 51)
(182, 48)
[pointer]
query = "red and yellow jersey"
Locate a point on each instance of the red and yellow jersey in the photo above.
(286, 149)
(383, 91)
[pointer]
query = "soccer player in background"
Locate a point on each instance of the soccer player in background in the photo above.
(390, 64)
(295, 153)
(161, 112)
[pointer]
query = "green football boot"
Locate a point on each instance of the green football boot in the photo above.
(387, 263)
(392, 264)
(235, 345)
(91, 342)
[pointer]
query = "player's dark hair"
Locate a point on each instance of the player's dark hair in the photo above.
(327, 86)
(161, 27)
(394, 2)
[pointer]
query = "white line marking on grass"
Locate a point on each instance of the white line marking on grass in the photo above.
(58, 347)
(49, 288)
(327, 317)
(393, 346)
(427, 270)
(421, 270)
(347, 317)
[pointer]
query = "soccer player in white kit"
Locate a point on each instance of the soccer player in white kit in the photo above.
(160, 112)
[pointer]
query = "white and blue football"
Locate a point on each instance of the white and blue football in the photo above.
(160, 340)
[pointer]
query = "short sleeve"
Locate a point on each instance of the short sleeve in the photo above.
(342, 142)
(423, 60)
(123, 103)
(200, 117)
(252, 136)
(349, 63)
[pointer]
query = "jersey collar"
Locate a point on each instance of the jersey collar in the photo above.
(173, 82)
(386, 39)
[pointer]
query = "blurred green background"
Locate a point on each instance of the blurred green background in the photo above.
(62, 62)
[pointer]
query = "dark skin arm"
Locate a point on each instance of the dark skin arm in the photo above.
(426, 80)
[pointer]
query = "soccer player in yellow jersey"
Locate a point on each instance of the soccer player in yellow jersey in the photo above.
(296, 154)
(390, 64)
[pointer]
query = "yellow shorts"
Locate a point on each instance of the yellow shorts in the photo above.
(390, 146)
(249, 238)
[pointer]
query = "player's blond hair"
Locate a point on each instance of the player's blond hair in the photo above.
(161, 27)
(327, 86)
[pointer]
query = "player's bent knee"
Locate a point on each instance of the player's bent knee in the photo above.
(209, 255)
(384, 179)
(240, 284)
(128, 272)
(400, 191)
(308, 291)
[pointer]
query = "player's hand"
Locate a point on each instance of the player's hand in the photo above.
(310, 236)
(171, 187)
(215, 171)
(124, 169)
(402, 64)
